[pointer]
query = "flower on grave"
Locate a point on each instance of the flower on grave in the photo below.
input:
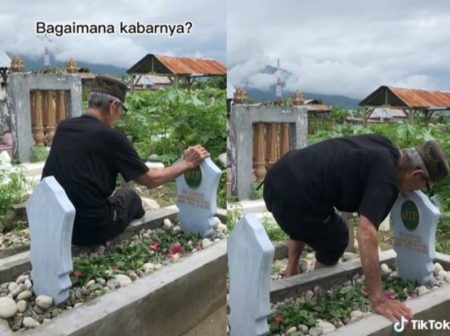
(154, 246)
(176, 248)
(115, 267)
(278, 319)
(389, 296)
(318, 290)
(199, 247)
(76, 274)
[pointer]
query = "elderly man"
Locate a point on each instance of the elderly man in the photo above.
(362, 174)
(86, 156)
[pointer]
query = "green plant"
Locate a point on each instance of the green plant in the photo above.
(13, 190)
(39, 154)
(274, 232)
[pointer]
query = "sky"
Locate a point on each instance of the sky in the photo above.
(340, 47)
(207, 38)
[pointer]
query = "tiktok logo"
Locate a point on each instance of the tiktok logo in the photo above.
(400, 326)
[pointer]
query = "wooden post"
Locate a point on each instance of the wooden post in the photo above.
(284, 139)
(255, 145)
(272, 146)
(39, 129)
(60, 106)
(260, 169)
(51, 117)
(33, 107)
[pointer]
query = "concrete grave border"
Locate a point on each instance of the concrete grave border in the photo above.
(194, 287)
(434, 305)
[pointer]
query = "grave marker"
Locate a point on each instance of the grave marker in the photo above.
(50, 219)
(197, 198)
(415, 219)
(250, 256)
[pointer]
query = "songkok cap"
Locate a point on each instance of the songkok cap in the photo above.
(111, 86)
(434, 161)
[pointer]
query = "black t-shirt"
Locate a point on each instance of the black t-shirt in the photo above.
(353, 174)
(85, 158)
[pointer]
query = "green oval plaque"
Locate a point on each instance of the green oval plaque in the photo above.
(410, 215)
(193, 177)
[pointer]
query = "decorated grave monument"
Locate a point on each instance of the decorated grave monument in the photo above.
(415, 220)
(197, 198)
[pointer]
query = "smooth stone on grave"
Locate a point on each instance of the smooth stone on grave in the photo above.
(415, 220)
(197, 198)
(50, 217)
(21, 306)
(250, 257)
(30, 322)
(44, 301)
(8, 307)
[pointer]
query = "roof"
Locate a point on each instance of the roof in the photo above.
(177, 66)
(5, 61)
(408, 98)
(387, 113)
(152, 80)
(317, 108)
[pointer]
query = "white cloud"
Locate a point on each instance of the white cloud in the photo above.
(341, 47)
(207, 38)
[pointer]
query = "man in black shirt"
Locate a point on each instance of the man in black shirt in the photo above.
(362, 174)
(86, 156)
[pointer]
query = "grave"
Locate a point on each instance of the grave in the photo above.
(50, 217)
(20, 85)
(250, 256)
(197, 198)
(415, 219)
(242, 119)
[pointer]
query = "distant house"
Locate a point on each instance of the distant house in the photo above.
(386, 114)
(408, 100)
(177, 67)
(151, 82)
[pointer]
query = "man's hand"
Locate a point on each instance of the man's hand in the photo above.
(392, 309)
(368, 246)
(193, 156)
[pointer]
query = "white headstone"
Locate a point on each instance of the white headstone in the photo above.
(197, 198)
(250, 257)
(5, 160)
(415, 219)
(50, 219)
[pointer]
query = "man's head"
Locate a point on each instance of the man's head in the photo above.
(107, 98)
(421, 166)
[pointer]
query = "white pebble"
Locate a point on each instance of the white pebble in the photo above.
(8, 307)
(309, 295)
(78, 304)
(291, 330)
(206, 243)
(122, 279)
(326, 327)
(44, 301)
(24, 295)
(356, 315)
(100, 281)
(28, 284)
(30, 322)
(22, 306)
(437, 268)
(22, 278)
(442, 275)
(176, 229)
(385, 269)
(422, 290)
(90, 283)
(148, 267)
(167, 224)
(12, 287)
(18, 290)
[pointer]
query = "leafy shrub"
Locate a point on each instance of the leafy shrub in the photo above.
(13, 190)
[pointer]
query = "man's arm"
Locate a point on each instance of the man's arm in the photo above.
(192, 157)
(368, 249)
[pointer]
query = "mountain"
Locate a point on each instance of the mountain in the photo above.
(342, 102)
(34, 64)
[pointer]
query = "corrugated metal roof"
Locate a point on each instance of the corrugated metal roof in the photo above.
(321, 108)
(422, 98)
(5, 61)
(409, 98)
(178, 66)
(387, 113)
